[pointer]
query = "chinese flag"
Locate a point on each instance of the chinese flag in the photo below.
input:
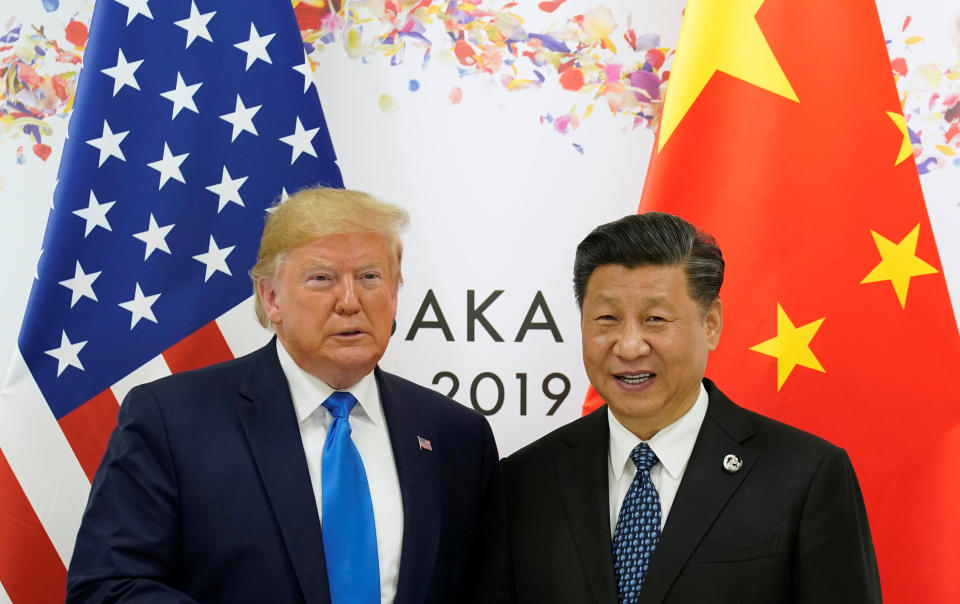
(782, 135)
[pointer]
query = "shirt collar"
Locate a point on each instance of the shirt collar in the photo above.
(309, 392)
(672, 445)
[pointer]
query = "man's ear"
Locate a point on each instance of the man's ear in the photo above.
(713, 323)
(399, 271)
(268, 299)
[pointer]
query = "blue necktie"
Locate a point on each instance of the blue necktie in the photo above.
(349, 535)
(638, 527)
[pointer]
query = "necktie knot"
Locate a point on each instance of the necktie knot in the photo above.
(643, 457)
(340, 404)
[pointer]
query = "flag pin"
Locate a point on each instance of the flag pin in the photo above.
(732, 463)
(424, 444)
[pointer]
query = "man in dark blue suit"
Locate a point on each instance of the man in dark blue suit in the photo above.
(216, 482)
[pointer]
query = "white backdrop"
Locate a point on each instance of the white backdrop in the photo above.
(497, 196)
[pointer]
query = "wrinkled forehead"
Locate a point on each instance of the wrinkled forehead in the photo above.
(627, 268)
(363, 249)
(647, 283)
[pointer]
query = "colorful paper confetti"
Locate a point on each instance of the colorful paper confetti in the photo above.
(930, 95)
(578, 54)
(39, 74)
(590, 55)
(387, 103)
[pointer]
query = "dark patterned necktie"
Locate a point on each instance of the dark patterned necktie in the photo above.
(638, 527)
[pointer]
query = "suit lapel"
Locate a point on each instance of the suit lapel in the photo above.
(418, 473)
(704, 491)
(582, 480)
(270, 425)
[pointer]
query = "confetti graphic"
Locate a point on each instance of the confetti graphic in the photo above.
(930, 94)
(39, 76)
(608, 65)
(590, 54)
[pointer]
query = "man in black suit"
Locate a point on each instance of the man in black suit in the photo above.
(215, 482)
(671, 493)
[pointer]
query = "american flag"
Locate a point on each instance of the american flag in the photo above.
(191, 117)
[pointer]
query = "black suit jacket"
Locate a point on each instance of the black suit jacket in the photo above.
(788, 527)
(204, 493)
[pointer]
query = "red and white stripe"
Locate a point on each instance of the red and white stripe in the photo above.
(46, 465)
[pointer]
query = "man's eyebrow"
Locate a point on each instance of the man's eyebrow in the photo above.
(378, 264)
(650, 300)
(314, 265)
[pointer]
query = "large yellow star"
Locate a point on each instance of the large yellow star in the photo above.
(899, 263)
(791, 347)
(719, 35)
(906, 149)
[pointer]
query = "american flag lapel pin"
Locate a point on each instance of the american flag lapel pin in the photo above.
(424, 444)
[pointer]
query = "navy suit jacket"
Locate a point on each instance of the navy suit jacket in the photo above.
(788, 527)
(203, 494)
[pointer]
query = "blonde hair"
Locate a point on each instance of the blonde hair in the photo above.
(317, 212)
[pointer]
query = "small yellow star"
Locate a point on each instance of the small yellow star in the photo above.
(906, 149)
(791, 347)
(899, 263)
(719, 35)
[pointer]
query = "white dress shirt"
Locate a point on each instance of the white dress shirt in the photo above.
(372, 439)
(672, 446)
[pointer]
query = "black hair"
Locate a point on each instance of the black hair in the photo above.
(655, 238)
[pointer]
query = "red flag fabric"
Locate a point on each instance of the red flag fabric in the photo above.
(782, 135)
